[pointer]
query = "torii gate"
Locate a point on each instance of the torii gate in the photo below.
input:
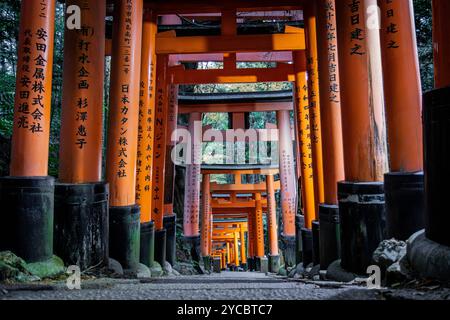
(350, 58)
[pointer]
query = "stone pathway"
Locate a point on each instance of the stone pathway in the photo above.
(223, 286)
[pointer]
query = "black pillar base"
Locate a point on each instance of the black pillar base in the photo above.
(330, 239)
(274, 264)
(363, 222)
(26, 222)
(194, 244)
(81, 224)
(124, 236)
(257, 263)
(262, 264)
(147, 248)
(160, 246)
(170, 224)
(244, 266)
(207, 262)
(217, 264)
(289, 249)
(307, 247)
(405, 204)
(251, 264)
(428, 259)
(436, 116)
(316, 242)
(299, 225)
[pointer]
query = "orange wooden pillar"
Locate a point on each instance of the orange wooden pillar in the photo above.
(159, 157)
(330, 100)
(288, 186)
(243, 246)
(228, 254)
(146, 127)
(403, 96)
(361, 198)
(27, 195)
(310, 13)
(80, 152)
(144, 165)
(169, 220)
(191, 227)
(274, 257)
(330, 106)
(302, 115)
(251, 240)
(441, 46)
(224, 259)
(259, 231)
(123, 133)
(206, 221)
(236, 248)
(30, 138)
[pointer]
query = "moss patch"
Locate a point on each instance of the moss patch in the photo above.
(47, 269)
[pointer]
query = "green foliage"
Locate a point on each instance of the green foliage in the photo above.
(423, 17)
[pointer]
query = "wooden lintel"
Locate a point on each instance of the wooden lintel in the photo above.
(263, 171)
(200, 6)
(236, 107)
(245, 188)
(280, 56)
(168, 44)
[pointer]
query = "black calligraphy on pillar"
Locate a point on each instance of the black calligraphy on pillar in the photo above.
(32, 82)
(25, 83)
(305, 132)
(122, 142)
(330, 13)
(158, 151)
(357, 33)
(83, 62)
(392, 27)
(145, 136)
(43, 9)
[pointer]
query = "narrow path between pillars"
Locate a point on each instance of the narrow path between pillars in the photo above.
(224, 286)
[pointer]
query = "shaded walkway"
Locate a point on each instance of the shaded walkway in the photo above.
(224, 286)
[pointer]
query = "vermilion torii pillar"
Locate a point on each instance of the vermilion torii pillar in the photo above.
(123, 133)
(302, 116)
(206, 221)
(251, 240)
(243, 246)
(288, 187)
(191, 226)
(274, 256)
(80, 184)
(310, 13)
(27, 195)
(330, 106)
(144, 165)
(361, 198)
(236, 248)
(159, 157)
(228, 254)
(403, 96)
(170, 217)
(259, 231)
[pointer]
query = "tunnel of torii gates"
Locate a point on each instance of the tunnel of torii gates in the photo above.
(351, 168)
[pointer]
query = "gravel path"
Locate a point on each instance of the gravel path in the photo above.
(224, 286)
